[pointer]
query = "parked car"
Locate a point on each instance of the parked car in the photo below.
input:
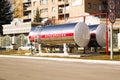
(26, 47)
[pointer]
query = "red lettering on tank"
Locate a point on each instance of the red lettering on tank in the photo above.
(56, 35)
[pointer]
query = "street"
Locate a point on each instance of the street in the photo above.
(31, 69)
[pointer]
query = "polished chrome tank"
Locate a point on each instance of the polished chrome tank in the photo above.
(98, 35)
(63, 33)
(78, 33)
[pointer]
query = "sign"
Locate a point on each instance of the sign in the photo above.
(111, 4)
(112, 17)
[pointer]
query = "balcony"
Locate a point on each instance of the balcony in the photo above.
(27, 9)
(62, 11)
(27, 20)
(27, 6)
(26, 1)
(63, 2)
(27, 12)
(27, 17)
(61, 16)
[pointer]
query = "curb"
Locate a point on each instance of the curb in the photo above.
(65, 59)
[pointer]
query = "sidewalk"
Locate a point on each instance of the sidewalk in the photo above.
(65, 59)
(77, 55)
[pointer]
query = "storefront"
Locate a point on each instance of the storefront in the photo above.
(15, 33)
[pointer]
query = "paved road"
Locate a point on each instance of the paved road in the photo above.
(31, 69)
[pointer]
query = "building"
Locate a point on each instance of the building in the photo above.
(16, 33)
(69, 10)
(64, 11)
(60, 9)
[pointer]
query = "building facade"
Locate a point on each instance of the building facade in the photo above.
(16, 33)
(64, 9)
(60, 9)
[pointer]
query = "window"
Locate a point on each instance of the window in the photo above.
(27, 4)
(43, 1)
(95, 6)
(65, 0)
(34, 3)
(53, 17)
(59, 0)
(89, 5)
(53, 9)
(53, 0)
(100, 7)
(118, 2)
(29, 15)
(34, 12)
(118, 11)
(44, 10)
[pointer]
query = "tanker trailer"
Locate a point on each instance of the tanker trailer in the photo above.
(78, 33)
(97, 35)
(63, 33)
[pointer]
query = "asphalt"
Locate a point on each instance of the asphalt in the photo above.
(38, 68)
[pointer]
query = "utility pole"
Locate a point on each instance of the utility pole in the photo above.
(112, 18)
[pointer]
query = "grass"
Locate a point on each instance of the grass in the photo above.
(13, 52)
(102, 56)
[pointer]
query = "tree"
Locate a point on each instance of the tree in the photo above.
(6, 13)
(1, 30)
(37, 16)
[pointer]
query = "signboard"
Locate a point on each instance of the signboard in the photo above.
(111, 4)
(112, 17)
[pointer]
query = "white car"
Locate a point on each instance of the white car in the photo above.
(26, 47)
